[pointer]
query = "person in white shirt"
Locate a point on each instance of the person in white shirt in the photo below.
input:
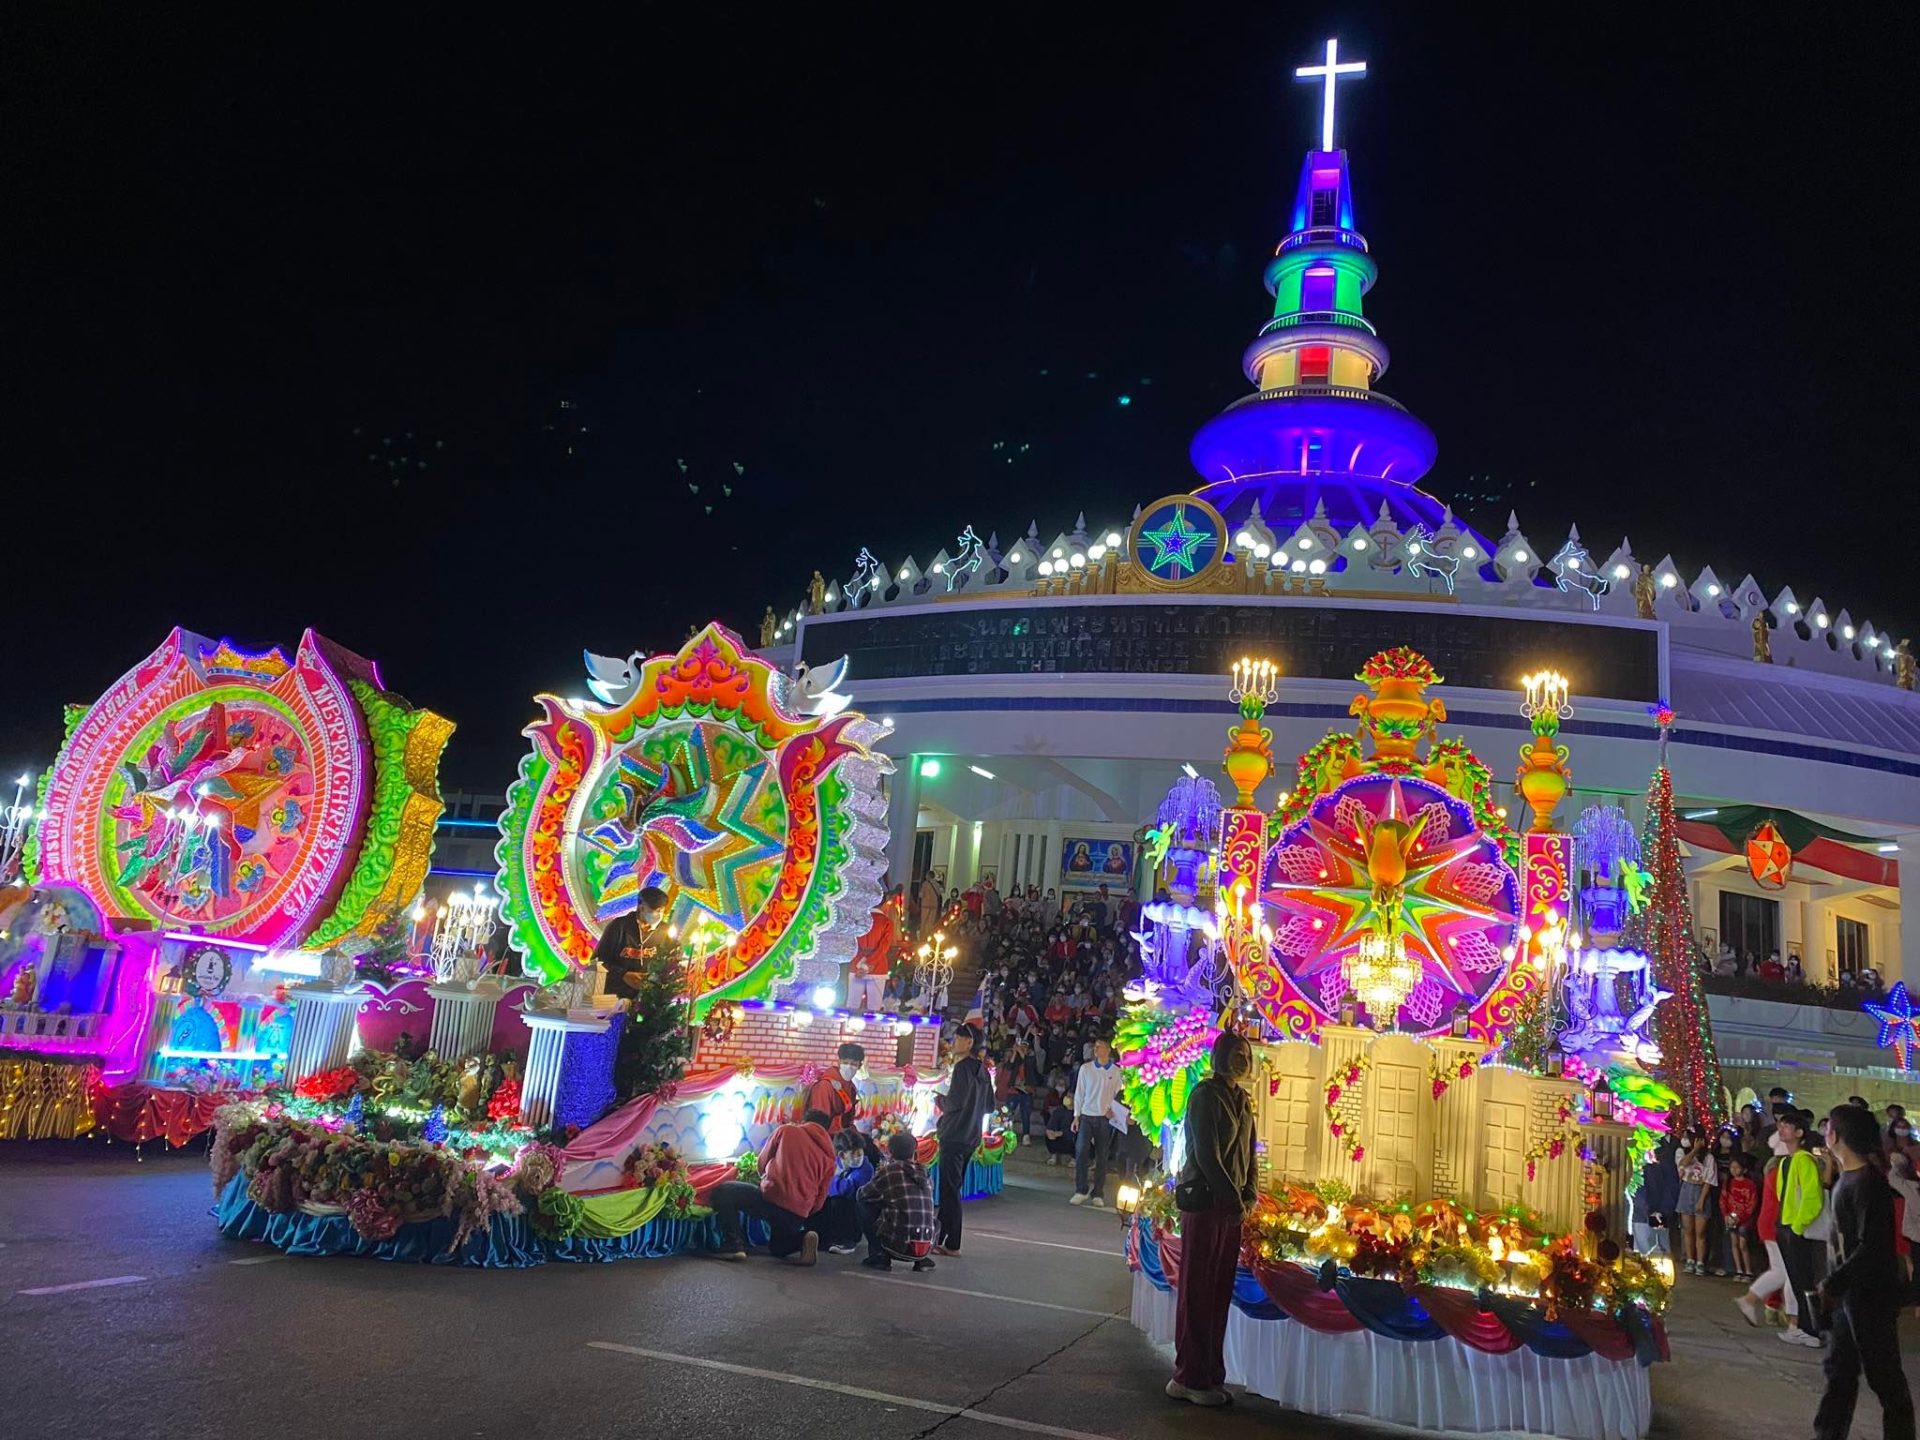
(1094, 1093)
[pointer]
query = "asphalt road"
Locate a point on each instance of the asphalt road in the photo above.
(1026, 1334)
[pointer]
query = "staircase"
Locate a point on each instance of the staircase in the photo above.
(964, 990)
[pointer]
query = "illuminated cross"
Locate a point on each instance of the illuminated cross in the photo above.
(1332, 70)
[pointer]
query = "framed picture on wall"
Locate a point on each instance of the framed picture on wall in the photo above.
(989, 876)
(1086, 862)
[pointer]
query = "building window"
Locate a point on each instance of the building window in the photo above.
(1316, 364)
(1850, 939)
(1750, 925)
(1326, 205)
(1316, 289)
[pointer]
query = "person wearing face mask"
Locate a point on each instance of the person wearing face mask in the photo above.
(1899, 1129)
(1773, 1280)
(1698, 1178)
(834, 1094)
(1802, 1204)
(1216, 1188)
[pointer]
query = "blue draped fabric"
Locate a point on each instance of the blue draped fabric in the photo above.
(1252, 1300)
(509, 1243)
(651, 1241)
(982, 1180)
(1536, 1332)
(1386, 1309)
(1383, 1307)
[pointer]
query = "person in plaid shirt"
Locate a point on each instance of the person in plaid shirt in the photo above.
(896, 1208)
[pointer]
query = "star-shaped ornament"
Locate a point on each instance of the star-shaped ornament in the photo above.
(1178, 546)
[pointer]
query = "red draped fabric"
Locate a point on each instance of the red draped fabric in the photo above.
(1297, 1291)
(138, 1112)
(1460, 1315)
(705, 1177)
(1170, 1258)
(1606, 1335)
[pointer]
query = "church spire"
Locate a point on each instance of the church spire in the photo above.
(1316, 432)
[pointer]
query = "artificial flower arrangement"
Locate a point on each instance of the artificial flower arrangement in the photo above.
(660, 1167)
(405, 1094)
(321, 1165)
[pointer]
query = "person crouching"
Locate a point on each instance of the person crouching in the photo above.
(896, 1208)
(796, 1172)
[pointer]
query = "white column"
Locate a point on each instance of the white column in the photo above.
(1814, 935)
(462, 1018)
(1906, 934)
(1050, 857)
(323, 1017)
(546, 1052)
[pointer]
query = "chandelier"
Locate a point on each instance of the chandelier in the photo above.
(1381, 975)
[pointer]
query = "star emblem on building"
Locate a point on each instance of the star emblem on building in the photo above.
(1899, 1026)
(1177, 545)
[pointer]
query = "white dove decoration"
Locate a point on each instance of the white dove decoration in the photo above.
(612, 680)
(818, 687)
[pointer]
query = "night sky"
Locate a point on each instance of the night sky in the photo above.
(423, 337)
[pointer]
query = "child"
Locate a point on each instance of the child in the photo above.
(1060, 1137)
(1739, 1207)
(896, 1208)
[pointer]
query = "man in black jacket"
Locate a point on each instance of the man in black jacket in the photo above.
(1862, 1290)
(635, 943)
(963, 1109)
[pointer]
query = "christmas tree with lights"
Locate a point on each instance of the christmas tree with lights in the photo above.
(1664, 931)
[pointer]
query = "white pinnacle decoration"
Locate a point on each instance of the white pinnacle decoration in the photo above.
(1330, 73)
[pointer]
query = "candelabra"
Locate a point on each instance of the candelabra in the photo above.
(933, 969)
(1543, 778)
(13, 838)
(1249, 757)
(461, 929)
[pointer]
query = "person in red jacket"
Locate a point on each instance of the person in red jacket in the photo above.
(834, 1093)
(796, 1171)
(1739, 1209)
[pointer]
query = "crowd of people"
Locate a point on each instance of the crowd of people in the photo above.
(1817, 1217)
(1052, 971)
(1731, 963)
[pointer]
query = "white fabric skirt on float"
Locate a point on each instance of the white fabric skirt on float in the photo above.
(1429, 1384)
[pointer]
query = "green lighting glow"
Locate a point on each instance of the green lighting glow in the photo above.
(929, 769)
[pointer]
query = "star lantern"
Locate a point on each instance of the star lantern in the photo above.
(1769, 857)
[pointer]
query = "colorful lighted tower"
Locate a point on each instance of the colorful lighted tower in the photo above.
(1315, 433)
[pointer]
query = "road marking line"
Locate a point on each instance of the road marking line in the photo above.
(932, 1407)
(258, 1260)
(980, 1294)
(85, 1285)
(1112, 1253)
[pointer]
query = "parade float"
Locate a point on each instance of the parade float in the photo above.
(1441, 1236)
(750, 800)
(221, 833)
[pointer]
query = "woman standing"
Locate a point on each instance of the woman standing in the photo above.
(1697, 1179)
(1215, 1189)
